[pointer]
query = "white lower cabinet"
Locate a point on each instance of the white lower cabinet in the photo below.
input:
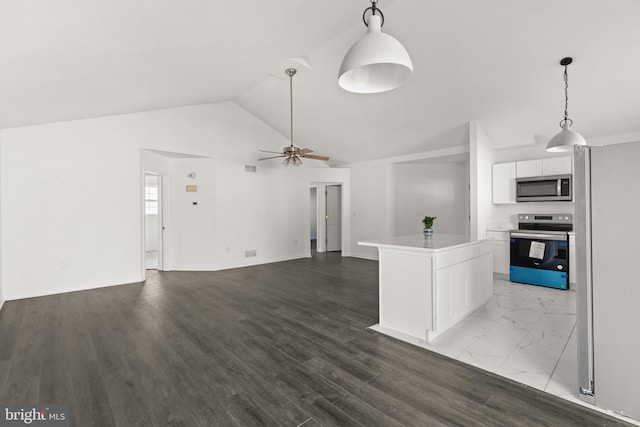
(445, 283)
(500, 247)
(482, 268)
(460, 289)
(425, 290)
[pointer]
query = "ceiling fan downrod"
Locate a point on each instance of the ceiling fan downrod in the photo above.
(291, 72)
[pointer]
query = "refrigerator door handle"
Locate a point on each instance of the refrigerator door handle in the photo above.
(586, 377)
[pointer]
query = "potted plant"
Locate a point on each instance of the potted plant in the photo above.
(428, 225)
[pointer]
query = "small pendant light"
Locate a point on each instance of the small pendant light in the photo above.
(566, 138)
(377, 62)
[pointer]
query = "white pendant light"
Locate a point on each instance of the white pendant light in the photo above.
(377, 62)
(566, 139)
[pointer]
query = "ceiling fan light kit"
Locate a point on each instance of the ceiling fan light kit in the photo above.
(292, 154)
(377, 62)
(566, 139)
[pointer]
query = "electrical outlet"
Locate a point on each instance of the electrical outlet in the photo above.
(249, 253)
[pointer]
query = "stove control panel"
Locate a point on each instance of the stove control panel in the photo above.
(546, 218)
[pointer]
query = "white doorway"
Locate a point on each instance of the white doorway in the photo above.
(325, 212)
(333, 218)
(313, 218)
(153, 222)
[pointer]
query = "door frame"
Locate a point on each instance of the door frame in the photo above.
(321, 212)
(162, 246)
(326, 216)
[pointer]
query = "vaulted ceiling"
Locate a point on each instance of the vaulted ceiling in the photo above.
(492, 60)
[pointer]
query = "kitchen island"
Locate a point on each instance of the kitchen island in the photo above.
(429, 284)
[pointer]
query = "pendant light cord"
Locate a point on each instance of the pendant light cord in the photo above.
(565, 63)
(566, 94)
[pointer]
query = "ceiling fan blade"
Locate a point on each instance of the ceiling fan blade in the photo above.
(304, 151)
(313, 156)
(275, 152)
(274, 157)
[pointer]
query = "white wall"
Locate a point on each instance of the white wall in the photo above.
(480, 169)
(435, 189)
(368, 206)
(191, 228)
(1, 293)
(373, 197)
(71, 216)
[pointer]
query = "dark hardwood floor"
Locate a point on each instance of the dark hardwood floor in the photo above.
(277, 344)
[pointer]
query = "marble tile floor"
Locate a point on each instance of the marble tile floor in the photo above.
(525, 333)
(521, 333)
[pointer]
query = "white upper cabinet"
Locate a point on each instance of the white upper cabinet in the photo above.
(529, 168)
(504, 175)
(556, 166)
(504, 183)
(544, 167)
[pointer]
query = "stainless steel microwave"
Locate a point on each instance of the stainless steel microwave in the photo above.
(544, 189)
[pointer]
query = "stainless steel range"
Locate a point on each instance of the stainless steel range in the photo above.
(540, 250)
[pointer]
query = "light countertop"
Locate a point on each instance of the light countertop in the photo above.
(435, 243)
(501, 226)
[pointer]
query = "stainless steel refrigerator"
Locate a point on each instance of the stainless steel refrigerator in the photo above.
(607, 226)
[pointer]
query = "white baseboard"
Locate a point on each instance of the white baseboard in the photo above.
(260, 261)
(369, 257)
(1, 303)
(400, 336)
(63, 289)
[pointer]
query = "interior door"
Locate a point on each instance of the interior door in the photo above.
(334, 217)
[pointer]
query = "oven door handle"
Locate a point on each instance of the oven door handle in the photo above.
(539, 236)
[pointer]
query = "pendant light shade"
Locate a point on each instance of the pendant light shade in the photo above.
(566, 139)
(375, 63)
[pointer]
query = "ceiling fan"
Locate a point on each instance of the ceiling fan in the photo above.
(292, 154)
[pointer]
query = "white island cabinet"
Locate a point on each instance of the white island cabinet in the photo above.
(429, 284)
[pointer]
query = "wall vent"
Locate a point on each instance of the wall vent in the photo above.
(250, 168)
(249, 253)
